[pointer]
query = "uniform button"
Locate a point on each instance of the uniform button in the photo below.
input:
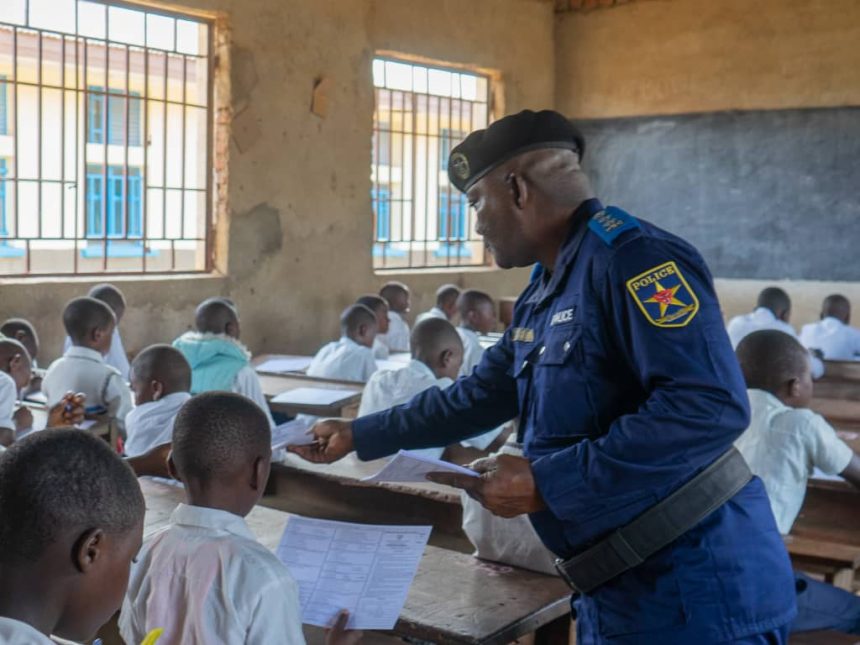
(542, 350)
(566, 345)
(525, 364)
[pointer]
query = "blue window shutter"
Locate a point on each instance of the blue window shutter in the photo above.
(95, 115)
(94, 202)
(135, 203)
(4, 231)
(4, 109)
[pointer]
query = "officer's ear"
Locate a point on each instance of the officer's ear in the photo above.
(518, 189)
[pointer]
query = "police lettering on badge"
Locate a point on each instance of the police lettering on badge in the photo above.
(664, 296)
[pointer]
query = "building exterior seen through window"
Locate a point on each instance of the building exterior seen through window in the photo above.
(105, 139)
(421, 113)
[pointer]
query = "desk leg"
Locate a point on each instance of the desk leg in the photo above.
(844, 579)
(558, 632)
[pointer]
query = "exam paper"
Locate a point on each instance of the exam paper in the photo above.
(292, 433)
(408, 466)
(284, 364)
(363, 568)
(313, 396)
(389, 364)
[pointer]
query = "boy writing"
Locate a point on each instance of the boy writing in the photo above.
(477, 317)
(205, 578)
(380, 309)
(113, 298)
(351, 357)
(24, 332)
(397, 296)
(15, 374)
(783, 444)
(72, 522)
(446, 304)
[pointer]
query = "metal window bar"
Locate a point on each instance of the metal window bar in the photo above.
(55, 241)
(424, 204)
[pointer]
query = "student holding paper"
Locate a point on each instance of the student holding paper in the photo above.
(629, 399)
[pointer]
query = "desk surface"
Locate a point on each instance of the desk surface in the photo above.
(455, 598)
(274, 384)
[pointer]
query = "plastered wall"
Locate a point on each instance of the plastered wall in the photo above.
(295, 235)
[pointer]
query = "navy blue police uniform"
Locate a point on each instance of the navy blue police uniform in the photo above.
(619, 368)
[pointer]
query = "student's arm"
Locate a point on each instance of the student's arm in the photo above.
(118, 399)
(8, 397)
(152, 463)
(852, 472)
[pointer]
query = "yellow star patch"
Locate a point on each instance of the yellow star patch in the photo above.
(664, 296)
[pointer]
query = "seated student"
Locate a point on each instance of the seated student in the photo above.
(832, 335)
(437, 353)
(782, 445)
(161, 382)
(380, 309)
(24, 332)
(72, 522)
(351, 357)
(218, 360)
(446, 304)
(90, 324)
(114, 299)
(397, 296)
(205, 578)
(15, 374)
(477, 317)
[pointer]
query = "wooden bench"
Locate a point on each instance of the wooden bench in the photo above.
(454, 598)
(837, 562)
(843, 414)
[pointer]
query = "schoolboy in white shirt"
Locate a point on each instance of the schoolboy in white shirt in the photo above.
(783, 444)
(90, 324)
(161, 383)
(351, 357)
(446, 304)
(205, 578)
(477, 317)
(15, 373)
(113, 298)
(379, 306)
(24, 332)
(398, 297)
(832, 335)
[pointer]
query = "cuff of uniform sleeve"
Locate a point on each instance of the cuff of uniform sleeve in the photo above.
(368, 437)
(559, 483)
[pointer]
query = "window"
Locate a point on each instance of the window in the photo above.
(105, 139)
(421, 114)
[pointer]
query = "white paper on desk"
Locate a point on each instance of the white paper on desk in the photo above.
(408, 466)
(86, 424)
(389, 364)
(363, 568)
(37, 397)
(284, 364)
(292, 433)
(313, 396)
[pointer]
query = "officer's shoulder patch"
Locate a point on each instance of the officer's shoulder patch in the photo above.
(664, 296)
(611, 222)
(522, 335)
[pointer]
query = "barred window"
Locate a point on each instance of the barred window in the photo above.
(421, 113)
(105, 139)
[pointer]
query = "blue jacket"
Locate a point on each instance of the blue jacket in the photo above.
(215, 360)
(620, 371)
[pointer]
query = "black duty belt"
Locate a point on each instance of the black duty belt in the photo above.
(657, 527)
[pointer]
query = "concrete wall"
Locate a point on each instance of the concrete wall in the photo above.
(295, 236)
(679, 56)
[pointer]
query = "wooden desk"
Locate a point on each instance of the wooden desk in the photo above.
(273, 385)
(454, 598)
(842, 370)
(834, 388)
(837, 562)
(841, 413)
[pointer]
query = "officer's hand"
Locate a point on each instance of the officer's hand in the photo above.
(332, 441)
(506, 486)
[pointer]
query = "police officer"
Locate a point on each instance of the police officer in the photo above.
(629, 397)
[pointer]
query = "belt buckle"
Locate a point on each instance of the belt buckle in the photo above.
(562, 572)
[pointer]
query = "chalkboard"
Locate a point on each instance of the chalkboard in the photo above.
(762, 194)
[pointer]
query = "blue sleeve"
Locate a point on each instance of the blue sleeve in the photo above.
(694, 400)
(471, 406)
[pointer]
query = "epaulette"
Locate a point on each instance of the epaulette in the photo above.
(611, 222)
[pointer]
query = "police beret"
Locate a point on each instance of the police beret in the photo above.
(484, 150)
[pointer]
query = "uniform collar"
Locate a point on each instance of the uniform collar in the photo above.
(211, 518)
(832, 323)
(551, 282)
(764, 313)
(78, 351)
(419, 367)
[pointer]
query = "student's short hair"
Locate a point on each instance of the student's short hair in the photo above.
(15, 326)
(82, 315)
(769, 358)
(108, 294)
(214, 314)
(446, 295)
(61, 480)
(9, 347)
(775, 299)
(391, 290)
(163, 363)
(354, 317)
(216, 433)
(835, 305)
(372, 302)
(431, 337)
(471, 299)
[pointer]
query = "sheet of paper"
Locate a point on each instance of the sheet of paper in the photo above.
(408, 466)
(37, 397)
(313, 396)
(389, 364)
(284, 364)
(292, 433)
(86, 424)
(845, 435)
(363, 568)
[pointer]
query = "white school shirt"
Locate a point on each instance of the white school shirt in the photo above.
(397, 337)
(247, 383)
(472, 350)
(782, 447)
(151, 424)
(116, 357)
(435, 312)
(345, 360)
(380, 349)
(15, 632)
(206, 579)
(836, 340)
(82, 369)
(8, 400)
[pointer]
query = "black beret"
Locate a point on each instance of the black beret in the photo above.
(484, 150)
